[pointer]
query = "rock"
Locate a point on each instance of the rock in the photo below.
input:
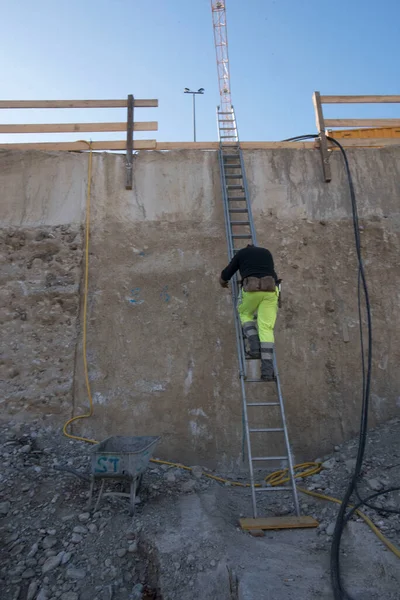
(188, 486)
(76, 538)
(52, 563)
(32, 589)
(26, 449)
(212, 563)
(375, 484)
(257, 532)
(197, 472)
(133, 547)
(67, 518)
(49, 542)
(42, 595)
(329, 464)
(121, 552)
(52, 532)
(170, 477)
(31, 562)
(66, 556)
(350, 464)
(92, 528)
(33, 551)
(80, 529)
(137, 592)
(108, 562)
(83, 517)
(73, 573)
(4, 508)
(331, 528)
(28, 574)
(69, 596)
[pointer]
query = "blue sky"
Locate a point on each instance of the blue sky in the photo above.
(280, 52)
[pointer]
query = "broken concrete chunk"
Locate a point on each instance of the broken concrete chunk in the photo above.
(375, 484)
(329, 464)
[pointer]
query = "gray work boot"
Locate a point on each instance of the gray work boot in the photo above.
(267, 370)
(267, 366)
(251, 334)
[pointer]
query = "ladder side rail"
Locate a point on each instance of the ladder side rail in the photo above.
(218, 126)
(248, 204)
(287, 443)
(238, 331)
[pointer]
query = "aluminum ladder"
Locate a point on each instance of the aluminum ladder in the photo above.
(240, 231)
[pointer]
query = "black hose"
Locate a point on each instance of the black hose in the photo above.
(365, 502)
(338, 589)
(379, 509)
(297, 138)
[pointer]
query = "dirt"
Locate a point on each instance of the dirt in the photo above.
(184, 540)
(39, 306)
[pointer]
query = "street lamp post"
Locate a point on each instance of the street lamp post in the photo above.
(199, 91)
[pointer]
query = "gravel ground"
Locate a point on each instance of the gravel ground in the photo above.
(184, 540)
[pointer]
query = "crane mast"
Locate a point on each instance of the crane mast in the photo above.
(225, 112)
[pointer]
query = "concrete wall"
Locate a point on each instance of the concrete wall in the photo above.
(161, 343)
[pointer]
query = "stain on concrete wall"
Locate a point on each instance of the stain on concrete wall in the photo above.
(161, 344)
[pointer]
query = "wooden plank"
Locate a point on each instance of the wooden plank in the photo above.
(359, 99)
(366, 143)
(75, 103)
(278, 523)
(362, 122)
(129, 143)
(243, 145)
(71, 127)
(323, 146)
(80, 145)
(379, 132)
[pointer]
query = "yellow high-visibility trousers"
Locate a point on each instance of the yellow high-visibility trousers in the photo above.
(265, 305)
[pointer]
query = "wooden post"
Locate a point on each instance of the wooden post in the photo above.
(323, 144)
(129, 143)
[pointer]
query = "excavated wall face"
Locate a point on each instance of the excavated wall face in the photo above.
(161, 343)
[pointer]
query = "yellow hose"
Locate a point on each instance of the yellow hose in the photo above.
(274, 479)
(85, 302)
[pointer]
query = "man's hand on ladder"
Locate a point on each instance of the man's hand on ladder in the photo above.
(223, 283)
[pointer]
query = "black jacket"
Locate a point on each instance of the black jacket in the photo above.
(251, 261)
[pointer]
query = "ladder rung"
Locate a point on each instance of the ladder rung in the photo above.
(270, 458)
(274, 488)
(233, 176)
(225, 113)
(238, 210)
(235, 186)
(234, 198)
(261, 403)
(267, 430)
(230, 155)
(241, 236)
(240, 222)
(227, 128)
(227, 136)
(231, 166)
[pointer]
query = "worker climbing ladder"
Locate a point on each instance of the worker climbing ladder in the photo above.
(240, 231)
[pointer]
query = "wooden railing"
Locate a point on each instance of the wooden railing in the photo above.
(369, 132)
(129, 126)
